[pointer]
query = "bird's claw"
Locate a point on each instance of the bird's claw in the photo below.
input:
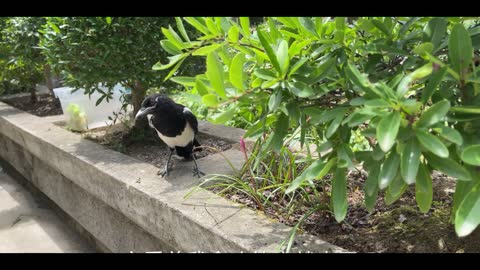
(163, 172)
(197, 172)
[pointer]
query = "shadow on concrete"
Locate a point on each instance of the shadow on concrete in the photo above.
(24, 207)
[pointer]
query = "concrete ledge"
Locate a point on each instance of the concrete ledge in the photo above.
(125, 206)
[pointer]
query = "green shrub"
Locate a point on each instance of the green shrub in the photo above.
(404, 90)
(88, 51)
(22, 63)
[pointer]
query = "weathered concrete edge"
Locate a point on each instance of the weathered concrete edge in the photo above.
(76, 207)
(203, 222)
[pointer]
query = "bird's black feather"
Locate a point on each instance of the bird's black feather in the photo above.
(170, 120)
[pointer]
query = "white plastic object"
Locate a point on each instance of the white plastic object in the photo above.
(80, 111)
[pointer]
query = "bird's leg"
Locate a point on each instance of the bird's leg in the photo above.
(196, 171)
(165, 171)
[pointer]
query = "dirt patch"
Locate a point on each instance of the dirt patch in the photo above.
(46, 105)
(148, 148)
(399, 227)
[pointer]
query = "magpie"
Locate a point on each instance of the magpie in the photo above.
(175, 125)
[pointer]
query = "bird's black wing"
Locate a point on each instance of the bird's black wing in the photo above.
(191, 119)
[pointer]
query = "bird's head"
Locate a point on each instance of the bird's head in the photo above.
(149, 105)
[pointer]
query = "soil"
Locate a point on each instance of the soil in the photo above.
(46, 105)
(148, 148)
(399, 227)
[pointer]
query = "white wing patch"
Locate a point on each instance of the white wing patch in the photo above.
(181, 140)
(185, 109)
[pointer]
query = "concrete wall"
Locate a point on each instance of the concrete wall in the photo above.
(125, 206)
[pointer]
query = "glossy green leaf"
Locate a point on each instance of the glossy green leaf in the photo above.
(423, 48)
(450, 167)
(381, 26)
(467, 216)
(388, 170)
(300, 89)
(315, 114)
(320, 71)
(236, 71)
(360, 80)
(181, 28)
(206, 49)
(297, 65)
(198, 25)
(317, 170)
(432, 143)
(377, 153)
(245, 24)
(395, 190)
(215, 74)
(293, 111)
(358, 101)
(170, 47)
(410, 161)
(334, 125)
(233, 34)
(210, 100)
(451, 134)
(460, 50)
(471, 155)
(282, 56)
(466, 109)
(370, 201)
(268, 49)
(358, 119)
(108, 20)
(211, 26)
(255, 130)
(406, 26)
(174, 69)
(423, 189)
(183, 80)
(54, 27)
(264, 74)
(377, 103)
(434, 114)
(371, 184)
(274, 101)
(418, 74)
(339, 194)
(172, 36)
(397, 186)
(435, 79)
(462, 188)
(387, 130)
(345, 157)
(281, 129)
(435, 31)
(224, 116)
(201, 87)
(172, 61)
(308, 25)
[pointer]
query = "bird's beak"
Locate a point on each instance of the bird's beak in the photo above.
(143, 111)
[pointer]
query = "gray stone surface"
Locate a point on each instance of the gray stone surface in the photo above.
(112, 195)
(28, 225)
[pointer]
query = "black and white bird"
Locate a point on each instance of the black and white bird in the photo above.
(176, 126)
